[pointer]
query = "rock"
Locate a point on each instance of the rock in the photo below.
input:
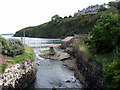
(56, 54)
(67, 81)
(51, 51)
(15, 76)
(63, 56)
(74, 81)
(38, 64)
(54, 88)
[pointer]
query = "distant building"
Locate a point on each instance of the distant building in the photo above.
(89, 9)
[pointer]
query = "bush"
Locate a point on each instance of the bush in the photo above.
(112, 74)
(3, 45)
(106, 34)
(15, 47)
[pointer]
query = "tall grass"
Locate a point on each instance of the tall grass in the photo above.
(103, 58)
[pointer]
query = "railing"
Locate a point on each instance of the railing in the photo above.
(36, 43)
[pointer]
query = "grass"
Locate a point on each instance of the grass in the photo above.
(29, 54)
(3, 67)
(85, 49)
(103, 58)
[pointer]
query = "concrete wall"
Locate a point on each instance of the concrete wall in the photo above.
(19, 75)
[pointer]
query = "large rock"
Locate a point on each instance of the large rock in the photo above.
(51, 51)
(55, 53)
(63, 56)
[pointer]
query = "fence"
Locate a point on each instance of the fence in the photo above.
(36, 43)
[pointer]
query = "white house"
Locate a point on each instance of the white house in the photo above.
(89, 9)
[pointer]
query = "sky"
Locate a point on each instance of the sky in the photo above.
(18, 14)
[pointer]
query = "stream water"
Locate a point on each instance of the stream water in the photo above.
(53, 74)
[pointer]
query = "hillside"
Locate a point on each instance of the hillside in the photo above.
(64, 26)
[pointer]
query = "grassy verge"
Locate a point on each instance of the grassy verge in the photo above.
(103, 58)
(29, 54)
(85, 49)
(3, 67)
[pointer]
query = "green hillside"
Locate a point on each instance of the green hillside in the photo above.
(66, 26)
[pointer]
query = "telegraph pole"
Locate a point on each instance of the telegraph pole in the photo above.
(24, 36)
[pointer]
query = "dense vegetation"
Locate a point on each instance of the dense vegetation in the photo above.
(106, 34)
(11, 47)
(15, 51)
(61, 27)
(27, 55)
(3, 45)
(104, 45)
(106, 40)
(15, 47)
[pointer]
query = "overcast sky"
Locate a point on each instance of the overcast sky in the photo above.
(18, 14)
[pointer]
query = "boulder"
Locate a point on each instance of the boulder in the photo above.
(63, 56)
(67, 81)
(51, 51)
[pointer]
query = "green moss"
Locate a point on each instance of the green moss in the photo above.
(29, 54)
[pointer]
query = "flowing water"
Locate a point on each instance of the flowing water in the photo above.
(53, 74)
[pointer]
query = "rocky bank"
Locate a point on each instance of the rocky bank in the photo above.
(19, 75)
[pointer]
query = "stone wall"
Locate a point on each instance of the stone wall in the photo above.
(19, 75)
(89, 68)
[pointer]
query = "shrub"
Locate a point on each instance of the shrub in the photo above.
(106, 34)
(3, 45)
(112, 74)
(15, 47)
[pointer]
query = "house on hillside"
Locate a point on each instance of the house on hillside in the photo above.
(89, 9)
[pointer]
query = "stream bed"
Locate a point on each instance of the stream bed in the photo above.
(53, 74)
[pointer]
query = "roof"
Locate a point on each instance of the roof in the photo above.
(67, 39)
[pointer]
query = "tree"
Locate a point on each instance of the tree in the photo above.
(106, 34)
(112, 74)
(114, 4)
(70, 16)
(102, 8)
(56, 17)
(65, 16)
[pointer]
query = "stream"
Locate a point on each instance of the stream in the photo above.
(53, 74)
(50, 73)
